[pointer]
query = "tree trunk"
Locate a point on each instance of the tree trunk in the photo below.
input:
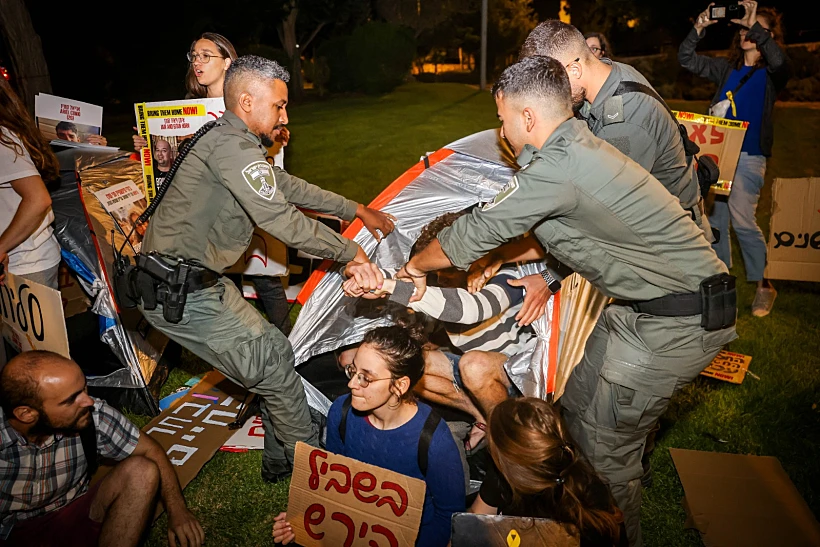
(287, 33)
(25, 51)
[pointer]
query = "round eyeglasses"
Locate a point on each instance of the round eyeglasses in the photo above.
(203, 57)
(364, 381)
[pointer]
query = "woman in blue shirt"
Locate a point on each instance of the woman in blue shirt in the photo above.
(756, 70)
(383, 426)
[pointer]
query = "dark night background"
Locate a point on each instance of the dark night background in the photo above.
(114, 55)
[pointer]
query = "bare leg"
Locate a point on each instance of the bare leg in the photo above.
(484, 378)
(125, 501)
(437, 385)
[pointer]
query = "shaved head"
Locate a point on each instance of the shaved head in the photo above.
(20, 379)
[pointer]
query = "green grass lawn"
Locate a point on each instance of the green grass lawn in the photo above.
(356, 146)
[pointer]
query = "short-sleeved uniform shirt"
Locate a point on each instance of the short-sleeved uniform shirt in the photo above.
(35, 480)
(224, 187)
(641, 128)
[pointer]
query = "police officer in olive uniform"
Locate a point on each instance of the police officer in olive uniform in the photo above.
(608, 219)
(222, 188)
(635, 123)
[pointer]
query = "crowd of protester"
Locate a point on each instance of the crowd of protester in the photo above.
(547, 459)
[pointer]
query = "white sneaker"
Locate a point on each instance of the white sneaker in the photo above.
(764, 300)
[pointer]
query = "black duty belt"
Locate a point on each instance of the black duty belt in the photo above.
(671, 305)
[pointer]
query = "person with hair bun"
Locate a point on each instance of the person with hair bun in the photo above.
(383, 424)
(540, 473)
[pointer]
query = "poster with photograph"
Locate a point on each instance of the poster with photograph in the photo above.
(70, 122)
(165, 125)
(125, 203)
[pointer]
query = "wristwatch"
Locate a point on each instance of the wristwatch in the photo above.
(553, 284)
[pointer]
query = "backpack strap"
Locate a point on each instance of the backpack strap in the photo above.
(426, 437)
(690, 147)
(88, 437)
(343, 421)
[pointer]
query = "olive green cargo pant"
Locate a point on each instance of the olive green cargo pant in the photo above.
(632, 364)
(219, 326)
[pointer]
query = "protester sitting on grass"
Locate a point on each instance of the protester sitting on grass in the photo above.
(51, 435)
(538, 472)
(383, 424)
(482, 328)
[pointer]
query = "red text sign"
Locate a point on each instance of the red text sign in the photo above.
(340, 501)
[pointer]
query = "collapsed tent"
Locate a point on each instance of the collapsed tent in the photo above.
(467, 172)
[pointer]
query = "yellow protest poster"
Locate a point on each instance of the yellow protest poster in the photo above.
(729, 367)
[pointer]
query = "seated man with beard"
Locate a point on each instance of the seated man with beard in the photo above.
(45, 498)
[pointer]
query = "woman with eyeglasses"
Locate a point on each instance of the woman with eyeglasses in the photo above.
(538, 472)
(598, 43)
(383, 427)
(748, 83)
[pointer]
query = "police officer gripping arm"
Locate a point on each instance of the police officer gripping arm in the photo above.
(204, 222)
(603, 215)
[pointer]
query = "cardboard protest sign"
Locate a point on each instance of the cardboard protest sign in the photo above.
(32, 316)
(265, 255)
(728, 366)
(719, 138)
(75, 301)
(195, 426)
(739, 500)
(469, 530)
(82, 119)
(335, 500)
(794, 230)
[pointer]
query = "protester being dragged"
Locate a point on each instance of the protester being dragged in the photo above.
(748, 82)
(482, 329)
(52, 435)
(28, 247)
(539, 472)
(382, 424)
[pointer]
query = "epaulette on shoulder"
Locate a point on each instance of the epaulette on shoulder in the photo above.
(613, 110)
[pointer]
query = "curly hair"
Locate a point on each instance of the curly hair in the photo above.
(402, 348)
(431, 230)
(774, 23)
(14, 117)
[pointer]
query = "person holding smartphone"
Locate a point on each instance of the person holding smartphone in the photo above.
(749, 79)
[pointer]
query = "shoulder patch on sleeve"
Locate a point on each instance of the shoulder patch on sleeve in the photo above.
(613, 110)
(508, 190)
(260, 178)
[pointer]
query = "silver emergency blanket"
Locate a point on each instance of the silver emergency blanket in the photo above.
(477, 169)
(85, 230)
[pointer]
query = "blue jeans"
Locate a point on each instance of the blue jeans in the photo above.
(741, 209)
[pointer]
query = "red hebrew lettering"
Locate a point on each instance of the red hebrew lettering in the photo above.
(348, 522)
(313, 481)
(341, 488)
(698, 134)
(310, 520)
(717, 136)
(363, 530)
(359, 487)
(400, 509)
(379, 529)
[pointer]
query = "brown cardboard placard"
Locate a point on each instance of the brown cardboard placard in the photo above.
(728, 366)
(793, 250)
(334, 500)
(739, 500)
(470, 530)
(195, 426)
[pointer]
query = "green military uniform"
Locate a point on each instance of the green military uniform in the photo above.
(641, 128)
(605, 217)
(222, 188)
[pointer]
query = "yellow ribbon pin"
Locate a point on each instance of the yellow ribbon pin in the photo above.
(513, 539)
(731, 97)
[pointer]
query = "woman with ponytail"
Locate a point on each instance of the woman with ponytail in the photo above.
(540, 473)
(383, 423)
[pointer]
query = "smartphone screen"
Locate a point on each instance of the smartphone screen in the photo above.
(718, 12)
